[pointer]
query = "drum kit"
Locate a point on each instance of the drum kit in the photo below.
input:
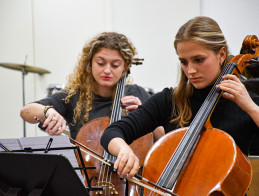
(24, 69)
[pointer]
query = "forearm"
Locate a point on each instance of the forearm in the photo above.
(115, 145)
(127, 163)
(31, 110)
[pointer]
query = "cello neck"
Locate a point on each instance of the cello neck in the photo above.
(116, 108)
(116, 111)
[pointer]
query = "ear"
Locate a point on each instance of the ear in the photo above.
(222, 55)
(126, 67)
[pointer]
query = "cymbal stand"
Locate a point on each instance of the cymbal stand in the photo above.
(24, 72)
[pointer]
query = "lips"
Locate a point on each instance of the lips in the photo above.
(194, 79)
(106, 77)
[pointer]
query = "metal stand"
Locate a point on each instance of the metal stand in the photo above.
(23, 98)
(24, 69)
(28, 143)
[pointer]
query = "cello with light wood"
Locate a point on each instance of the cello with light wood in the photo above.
(200, 159)
(89, 135)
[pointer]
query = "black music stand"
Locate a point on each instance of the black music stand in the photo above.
(27, 174)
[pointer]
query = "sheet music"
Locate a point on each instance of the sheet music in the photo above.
(10, 144)
(41, 142)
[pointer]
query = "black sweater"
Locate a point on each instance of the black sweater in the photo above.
(102, 106)
(157, 111)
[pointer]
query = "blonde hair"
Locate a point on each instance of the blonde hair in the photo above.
(81, 80)
(207, 32)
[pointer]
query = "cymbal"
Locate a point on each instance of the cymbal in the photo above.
(27, 68)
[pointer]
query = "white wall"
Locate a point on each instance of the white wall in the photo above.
(237, 19)
(15, 44)
(52, 33)
(152, 25)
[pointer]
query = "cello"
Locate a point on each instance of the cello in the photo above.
(89, 135)
(201, 159)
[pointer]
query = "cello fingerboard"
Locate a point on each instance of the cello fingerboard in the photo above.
(116, 112)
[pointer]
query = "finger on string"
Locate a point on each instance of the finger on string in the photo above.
(228, 96)
(125, 105)
(231, 89)
(131, 108)
(130, 100)
(231, 77)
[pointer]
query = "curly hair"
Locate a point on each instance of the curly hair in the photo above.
(81, 80)
(207, 32)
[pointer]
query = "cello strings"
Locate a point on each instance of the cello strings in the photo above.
(187, 142)
(117, 111)
(105, 182)
(110, 177)
(115, 115)
(114, 110)
(117, 104)
(204, 109)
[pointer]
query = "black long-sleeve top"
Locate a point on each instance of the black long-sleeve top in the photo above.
(102, 106)
(157, 111)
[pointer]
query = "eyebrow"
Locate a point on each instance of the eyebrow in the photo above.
(119, 60)
(192, 57)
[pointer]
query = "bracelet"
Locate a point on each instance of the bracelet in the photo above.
(46, 108)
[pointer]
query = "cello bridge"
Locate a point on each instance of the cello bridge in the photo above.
(107, 186)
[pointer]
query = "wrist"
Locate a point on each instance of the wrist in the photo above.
(45, 110)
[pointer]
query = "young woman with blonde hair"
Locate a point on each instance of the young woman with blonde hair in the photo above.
(203, 52)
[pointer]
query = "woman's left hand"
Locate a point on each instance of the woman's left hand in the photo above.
(130, 103)
(234, 90)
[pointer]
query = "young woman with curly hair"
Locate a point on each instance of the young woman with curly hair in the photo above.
(90, 89)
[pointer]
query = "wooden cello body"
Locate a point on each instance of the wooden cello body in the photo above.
(89, 136)
(202, 160)
(101, 176)
(216, 167)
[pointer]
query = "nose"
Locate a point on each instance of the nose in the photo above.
(107, 69)
(191, 69)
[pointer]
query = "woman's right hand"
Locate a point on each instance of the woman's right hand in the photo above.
(127, 163)
(54, 123)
